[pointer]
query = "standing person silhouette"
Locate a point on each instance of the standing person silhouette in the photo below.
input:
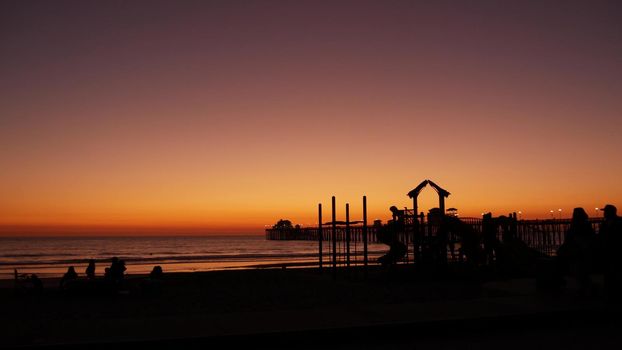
(610, 234)
(489, 235)
(577, 249)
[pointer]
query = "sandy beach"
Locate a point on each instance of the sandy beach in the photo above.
(231, 305)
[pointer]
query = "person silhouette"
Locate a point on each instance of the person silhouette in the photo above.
(69, 276)
(576, 251)
(153, 284)
(397, 216)
(489, 237)
(110, 271)
(120, 273)
(90, 270)
(389, 235)
(156, 273)
(610, 233)
(116, 270)
(37, 284)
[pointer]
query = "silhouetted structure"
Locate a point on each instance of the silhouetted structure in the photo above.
(283, 225)
(505, 243)
(442, 194)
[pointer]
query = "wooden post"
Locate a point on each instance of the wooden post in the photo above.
(514, 226)
(348, 234)
(319, 235)
(334, 237)
(415, 208)
(365, 233)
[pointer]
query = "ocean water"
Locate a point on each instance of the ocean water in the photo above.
(51, 256)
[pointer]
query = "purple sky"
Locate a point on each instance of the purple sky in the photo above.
(187, 112)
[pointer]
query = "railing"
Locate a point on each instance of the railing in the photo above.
(544, 236)
(312, 234)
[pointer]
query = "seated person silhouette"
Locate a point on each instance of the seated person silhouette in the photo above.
(153, 284)
(90, 270)
(115, 273)
(37, 284)
(68, 277)
(156, 273)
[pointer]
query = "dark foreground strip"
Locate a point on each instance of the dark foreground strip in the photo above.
(375, 334)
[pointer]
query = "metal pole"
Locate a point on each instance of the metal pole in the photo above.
(319, 235)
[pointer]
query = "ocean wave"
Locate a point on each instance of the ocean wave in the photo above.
(31, 255)
(170, 259)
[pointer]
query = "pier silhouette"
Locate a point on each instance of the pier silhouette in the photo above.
(436, 239)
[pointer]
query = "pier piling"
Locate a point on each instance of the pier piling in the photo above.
(334, 237)
(348, 234)
(365, 233)
(320, 237)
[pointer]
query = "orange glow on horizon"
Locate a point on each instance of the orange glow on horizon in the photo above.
(213, 119)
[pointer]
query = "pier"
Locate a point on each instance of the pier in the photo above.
(542, 235)
(435, 238)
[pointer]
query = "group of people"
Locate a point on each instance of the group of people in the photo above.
(26, 281)
(114, 277)
(584, 251)
(115, 273)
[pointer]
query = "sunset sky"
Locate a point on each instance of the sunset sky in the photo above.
(224, 116)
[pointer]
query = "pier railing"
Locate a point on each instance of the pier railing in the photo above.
(312, 234)
(544, 236)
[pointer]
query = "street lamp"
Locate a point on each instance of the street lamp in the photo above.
(551, 211)
(560, 213)
(520, 215)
